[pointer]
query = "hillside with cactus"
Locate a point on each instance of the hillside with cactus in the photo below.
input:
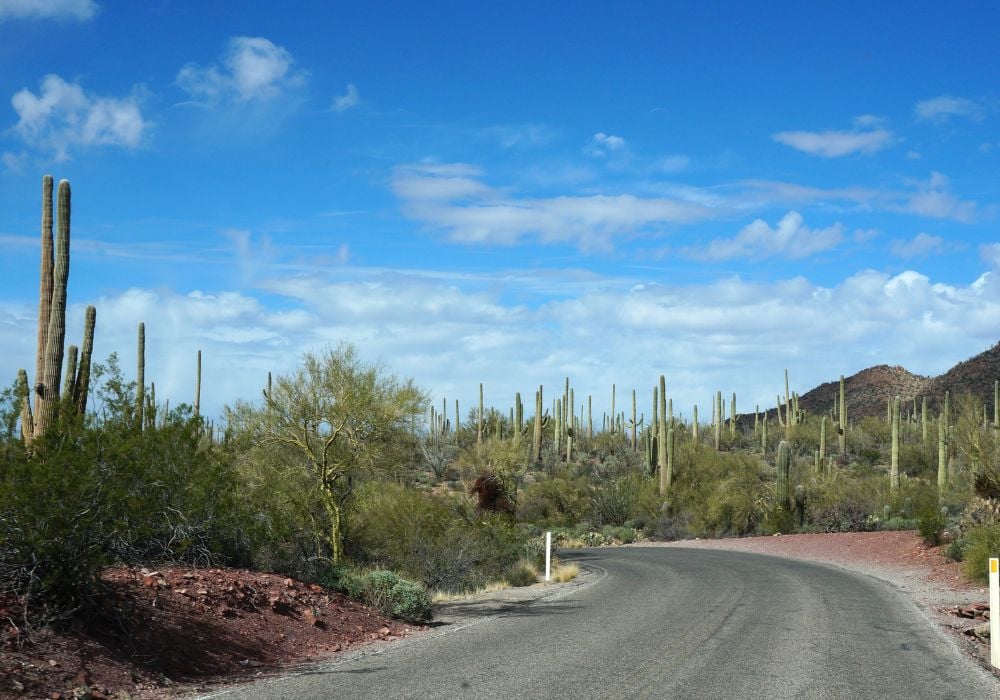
(869, 391)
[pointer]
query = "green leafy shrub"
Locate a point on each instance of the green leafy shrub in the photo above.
(931, 523)
(388, 593)
(615, 502)
(981, 543)
(558, 501)
(440, 541)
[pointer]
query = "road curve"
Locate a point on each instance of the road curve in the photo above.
(671, 623)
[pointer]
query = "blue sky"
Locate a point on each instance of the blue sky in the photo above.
(716, 191)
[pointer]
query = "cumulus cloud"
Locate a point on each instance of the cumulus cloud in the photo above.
(252, 69)
(601, 145)
(453, 198)
(933, 198)
(990, 252)
(77, 10)
(867, 136)
(63, 117)
(941, 109)
(349, 99)
(451, 331)
(791, 238)
(921, 245)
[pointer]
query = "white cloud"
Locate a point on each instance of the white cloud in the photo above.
(673, 164)
(79, 10)
(990, 252)
(921, 245)
(63, 117)
(253, 69)
(451, 331)
(835, 144)
(933, 198)
(452, 198)
(522, 135)
(349, 99)
(791, 238)
(602, 144)
(941, 109)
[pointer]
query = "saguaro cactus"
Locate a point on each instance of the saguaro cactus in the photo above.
(44, 294)
(479, 421)
(82, 385)
(55, 336)
(24, 394)
(942, 475)
(536, 436)
(783, 462)
(70, 379)
(140, 376)
(894, 466)
(197, 388)
(842, 420)
(661, 455)
(822, 439)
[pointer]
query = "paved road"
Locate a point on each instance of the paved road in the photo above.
(671, 623)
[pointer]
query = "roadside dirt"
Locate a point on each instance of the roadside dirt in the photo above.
(175, 632)
(901, 559)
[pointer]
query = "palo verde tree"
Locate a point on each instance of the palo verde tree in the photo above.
(338, 419)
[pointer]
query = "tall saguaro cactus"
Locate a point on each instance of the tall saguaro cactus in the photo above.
(197, 388)
(47, 387)
(44, 293)
(140, 376)
(894, 466)
(942, 475)
(842, 420)
(82, 385)
(536, 436)
(783, 462)
(24, 394)
(479, 422)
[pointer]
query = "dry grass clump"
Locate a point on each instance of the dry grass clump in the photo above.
(565, 572)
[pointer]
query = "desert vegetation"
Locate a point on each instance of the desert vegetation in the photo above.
(343, 474)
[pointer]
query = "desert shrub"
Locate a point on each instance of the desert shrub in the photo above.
(613, 503)
(622, 534)
(981, 543)
(931, 523)
(845, 504)
(557, 501)
(390, 594)
(715, 493)
(53, 528)
(90, 495)
(439, 541)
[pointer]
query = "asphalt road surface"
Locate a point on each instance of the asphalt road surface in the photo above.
(668, 623)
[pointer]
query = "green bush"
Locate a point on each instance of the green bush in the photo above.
(554, 502)
(388, 593)
(931, 523)
(615, 502)
(440, 541)
(981, 543)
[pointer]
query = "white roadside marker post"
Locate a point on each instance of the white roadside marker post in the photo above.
(995, 612)
(548, 557)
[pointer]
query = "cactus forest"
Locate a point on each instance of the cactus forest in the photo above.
(340, 467)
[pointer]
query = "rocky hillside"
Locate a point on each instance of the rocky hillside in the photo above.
(868, 391)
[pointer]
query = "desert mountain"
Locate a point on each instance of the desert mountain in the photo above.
(868, 391)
